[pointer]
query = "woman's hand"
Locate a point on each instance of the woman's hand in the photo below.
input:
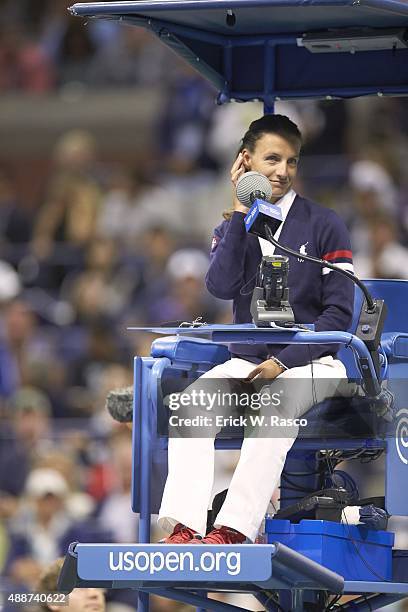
(267, 369)
(237, 170)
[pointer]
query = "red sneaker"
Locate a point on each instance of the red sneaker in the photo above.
(181, 535)
(223, 535)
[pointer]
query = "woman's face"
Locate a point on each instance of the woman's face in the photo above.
(277, 159)
(86, 600)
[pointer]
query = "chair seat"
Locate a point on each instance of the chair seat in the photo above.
(190, 350)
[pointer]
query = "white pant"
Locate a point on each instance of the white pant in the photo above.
(186, 496)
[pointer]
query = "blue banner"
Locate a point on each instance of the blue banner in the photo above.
(162, 562)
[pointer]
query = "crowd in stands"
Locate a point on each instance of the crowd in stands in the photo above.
(110, 245)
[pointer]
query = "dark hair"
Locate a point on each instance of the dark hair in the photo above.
(268, 124)
(271, 124)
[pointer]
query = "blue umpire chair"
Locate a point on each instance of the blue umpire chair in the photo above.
(176, 361)
(341, 428)
(305, 559)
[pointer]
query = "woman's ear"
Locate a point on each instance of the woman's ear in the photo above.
(246, 159)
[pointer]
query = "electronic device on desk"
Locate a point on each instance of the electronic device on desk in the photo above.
(270, 298)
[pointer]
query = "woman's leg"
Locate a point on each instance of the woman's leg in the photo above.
(189, 483)
(263, 453)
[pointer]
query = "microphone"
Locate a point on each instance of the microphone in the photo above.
(253, 190)
(119, 404)
(252, 185)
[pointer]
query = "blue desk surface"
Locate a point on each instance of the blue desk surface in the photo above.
(248, 333)
(241, 328)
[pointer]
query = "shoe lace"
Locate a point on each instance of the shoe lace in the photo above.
(222, 534)
(182, 529)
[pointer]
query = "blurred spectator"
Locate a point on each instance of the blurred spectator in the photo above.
(80, 600)
(56, 21)
(103, 348)
(105, 287)
(75, 54)
(116, 514)
(374, 192)
(132, 206)
(32, 346)
(115, 375)
(15, 222)
(23, 64)
(135, 58)
(182, 296)
(156, 246)
(84, 599)
(10, 285)
(61, 458)
(75, 154)
(68, 216)
(370, 177)
(386, 258)
(41, 522)
(183, 128)
(117, 204)
(44, 527)
(28, 437)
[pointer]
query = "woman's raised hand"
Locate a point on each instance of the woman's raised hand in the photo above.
(237, 170)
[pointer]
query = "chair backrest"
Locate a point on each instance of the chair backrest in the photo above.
(395, 295)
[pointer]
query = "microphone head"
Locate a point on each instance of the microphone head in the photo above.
(250, 182)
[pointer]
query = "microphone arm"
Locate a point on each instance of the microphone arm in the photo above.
(325, 264)
(372, 316)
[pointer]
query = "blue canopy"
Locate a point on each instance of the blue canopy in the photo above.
(279, 49)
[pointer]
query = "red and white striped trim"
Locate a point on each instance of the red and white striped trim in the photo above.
(341, 254)
(345, 266)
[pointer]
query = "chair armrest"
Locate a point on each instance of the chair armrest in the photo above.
(395, 345)
(188, 349)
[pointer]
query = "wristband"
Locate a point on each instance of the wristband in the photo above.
(279, 363)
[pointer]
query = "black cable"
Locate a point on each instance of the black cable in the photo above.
(368, 566)
(301, 493)
(294, 486)
(324, 264)
(333, 603)
(352, 455)
(271, 597)
(247, 283)
(372, 457)
(359, 600)
(311, 473)
(314, 396)
(290, 498)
